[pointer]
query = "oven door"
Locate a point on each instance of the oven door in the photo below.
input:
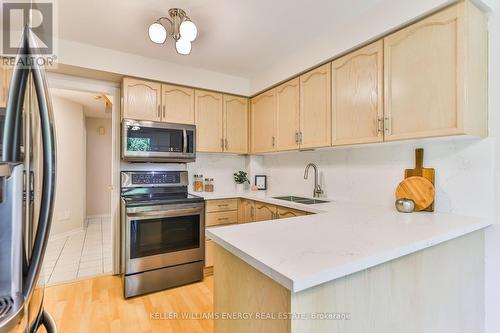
(161, 236)
(147, 141)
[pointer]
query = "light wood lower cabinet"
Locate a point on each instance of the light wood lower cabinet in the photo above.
(221, 205)
(177, 104)
(235, 125)
(209, 253)
(246, 211)
(208, 114)
(141, 99)
(357, 96)
(262, 122)
(315, 108)
(284, 212)
(218, 218)
(264, 212)
(436, 76)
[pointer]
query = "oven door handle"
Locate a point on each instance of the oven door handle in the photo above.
(166, 213)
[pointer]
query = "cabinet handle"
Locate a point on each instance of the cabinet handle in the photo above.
(297, 137)
(223, 219)
(222, 205)
(222, 144)
(380, 122)
(164, 114)
(252, 211)
(388, 125)
(300, 137)
(159, 111)
(225, 144)
(274, 141)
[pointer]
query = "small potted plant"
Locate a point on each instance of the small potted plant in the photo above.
(240, 178)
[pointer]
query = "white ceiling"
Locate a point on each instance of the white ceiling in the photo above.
(92, 107)
(235, 37)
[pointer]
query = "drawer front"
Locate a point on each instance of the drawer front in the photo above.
(209, 253)
(284, 212)
(221, 205)
(218, 218)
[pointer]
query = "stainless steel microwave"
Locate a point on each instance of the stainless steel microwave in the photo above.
(149, 141)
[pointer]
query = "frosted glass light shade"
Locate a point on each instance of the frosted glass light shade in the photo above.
(157, 33)
(188, 30)
(183, 46)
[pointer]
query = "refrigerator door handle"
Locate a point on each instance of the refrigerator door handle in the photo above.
(11, 146)
(49, 173)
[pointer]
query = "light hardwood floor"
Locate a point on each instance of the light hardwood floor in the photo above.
(97, 305)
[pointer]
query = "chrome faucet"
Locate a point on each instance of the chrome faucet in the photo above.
(317, 192)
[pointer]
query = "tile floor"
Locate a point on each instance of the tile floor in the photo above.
(83, 254)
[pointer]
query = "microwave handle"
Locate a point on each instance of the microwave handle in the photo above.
(184, 141)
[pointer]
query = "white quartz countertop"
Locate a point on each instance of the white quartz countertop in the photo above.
(340, 239)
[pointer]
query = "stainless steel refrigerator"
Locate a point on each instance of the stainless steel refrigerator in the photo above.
(27, 187)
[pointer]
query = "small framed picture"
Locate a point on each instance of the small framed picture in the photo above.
(261, 182)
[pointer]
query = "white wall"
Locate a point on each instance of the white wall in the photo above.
(493, 234)
(370, 174)
(220, 167)
(98, 168)
(77, 54)
(69, 207)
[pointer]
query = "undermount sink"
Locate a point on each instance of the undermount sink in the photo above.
(306, 201)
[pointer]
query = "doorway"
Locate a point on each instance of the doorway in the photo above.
(80, 243)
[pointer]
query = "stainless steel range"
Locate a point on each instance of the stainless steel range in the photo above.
(163, 231)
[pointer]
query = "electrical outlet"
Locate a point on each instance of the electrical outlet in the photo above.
(64, 215)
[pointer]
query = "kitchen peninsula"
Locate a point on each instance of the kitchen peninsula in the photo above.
(372, 270)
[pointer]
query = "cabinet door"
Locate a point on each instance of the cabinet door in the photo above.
(209, 253)
(284, 212)
(264, 212)
(235, 124)
(422, 69)
(141, 99)
(357, 96)
(315, 110)
(246, 211)
(208, 111)
(287, 115)
(5, 76)
(263, 116)
(177, 104)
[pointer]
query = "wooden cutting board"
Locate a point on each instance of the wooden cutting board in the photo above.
(419, 170)
(417, 188)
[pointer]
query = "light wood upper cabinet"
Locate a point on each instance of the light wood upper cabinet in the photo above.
(264, 212)
(177, 104)
(287, 115)
(208, 114)
(357, 96)
(315, 108)
(263, 127)
(284, 212)
(141, 99)
(5, 76)
(235, 124)
(435, 74)
(246, 211)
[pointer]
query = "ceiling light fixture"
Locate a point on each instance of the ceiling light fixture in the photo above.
(182, 30)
